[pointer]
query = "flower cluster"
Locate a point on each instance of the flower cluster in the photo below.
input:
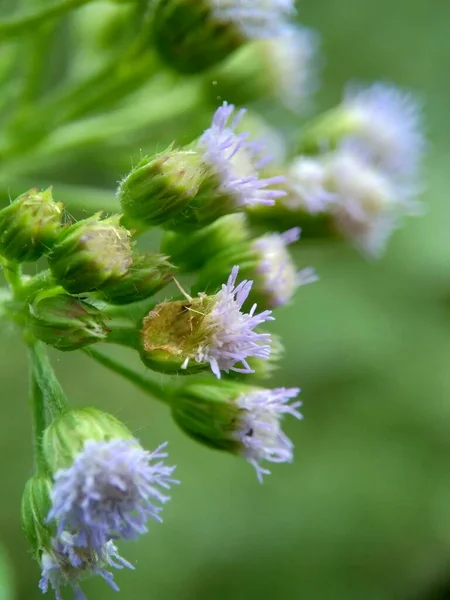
(231, 200)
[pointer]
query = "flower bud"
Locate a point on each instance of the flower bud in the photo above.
(282, 68)
(191, 252)
(267, 262)
(65, 322)
(193, 35)
(147, 274)
(206, 332)
(91, 254)
(36, 504)
(188, 189)
(65, 437)
(244, 420)
(30, 225)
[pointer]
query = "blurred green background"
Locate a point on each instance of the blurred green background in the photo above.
(364, 511)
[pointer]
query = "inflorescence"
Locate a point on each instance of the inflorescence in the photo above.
(230, 216)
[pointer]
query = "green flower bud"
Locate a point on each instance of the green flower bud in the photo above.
(65, 437)
(207, 413)
(91, 254)
(161, 187)
(190, 37)
(191, 252)
(147, 274)
(36, 504)
(30, 225)
(65, 322)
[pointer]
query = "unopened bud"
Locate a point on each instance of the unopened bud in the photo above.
(65, 322)
(91, 254)
(29, 226)
(36, 504)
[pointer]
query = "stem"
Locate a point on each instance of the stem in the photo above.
(124, 335)
(39, 421)
(13, 274)
(40, 282)
(54, 399)
(15, 26)
(144, 383)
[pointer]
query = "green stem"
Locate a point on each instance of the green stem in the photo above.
(42, 281)
(13, 274)
(144, 383)
(39, 420)
(22, 23)
(124, 335)
(53, 397)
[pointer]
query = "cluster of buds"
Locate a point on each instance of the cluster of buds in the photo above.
(354, 174)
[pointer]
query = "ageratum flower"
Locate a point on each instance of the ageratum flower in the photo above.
(66, 564)
(109, 491)
(186, 189)
(258, 429)
(241, 419)
(207, 332)
(236, 161)
(277, 276)
(306, 182)
(193, 35)
(385, 126)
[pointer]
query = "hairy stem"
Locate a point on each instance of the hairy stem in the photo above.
(53, 397)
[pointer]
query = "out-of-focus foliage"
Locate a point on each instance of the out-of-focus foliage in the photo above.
(364, 511)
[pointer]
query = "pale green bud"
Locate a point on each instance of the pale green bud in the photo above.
(65, 437)
(65, 322)
(36, 504)
(147, 274)
(91, 254)
(30, 225)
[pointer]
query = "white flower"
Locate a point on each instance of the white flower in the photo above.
(254, 18)
(306, 184)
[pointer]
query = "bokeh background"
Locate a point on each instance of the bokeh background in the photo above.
(364, 511)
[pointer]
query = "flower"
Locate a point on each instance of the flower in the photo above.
(254, 18)
(228, 335)
(306, 186)
(236, 161)
(66, 564)
(386, 127)
(368, 204)
(109, 492)
(277, 274)
(258, 429)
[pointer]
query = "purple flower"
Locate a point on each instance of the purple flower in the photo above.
(236, 161)
(66, 564)
(387, 127)
(227, 334)
(306, 184)
(278, 277)
(259, 427)
(109, 492)
(255, 18)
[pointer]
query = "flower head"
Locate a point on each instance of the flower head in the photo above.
(254, 18)
(278, 277)
(259, 426)
(368, 204)
(236, 161)
(306, 185)
(110, 491)
(66, 564)
(387, 127)
(229, 336)
(206, 332)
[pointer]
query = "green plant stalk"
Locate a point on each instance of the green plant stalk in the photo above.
(17, 25)
(13, 274)
(149, 386)
(37, 405)
(123, 334)
(54, 399)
